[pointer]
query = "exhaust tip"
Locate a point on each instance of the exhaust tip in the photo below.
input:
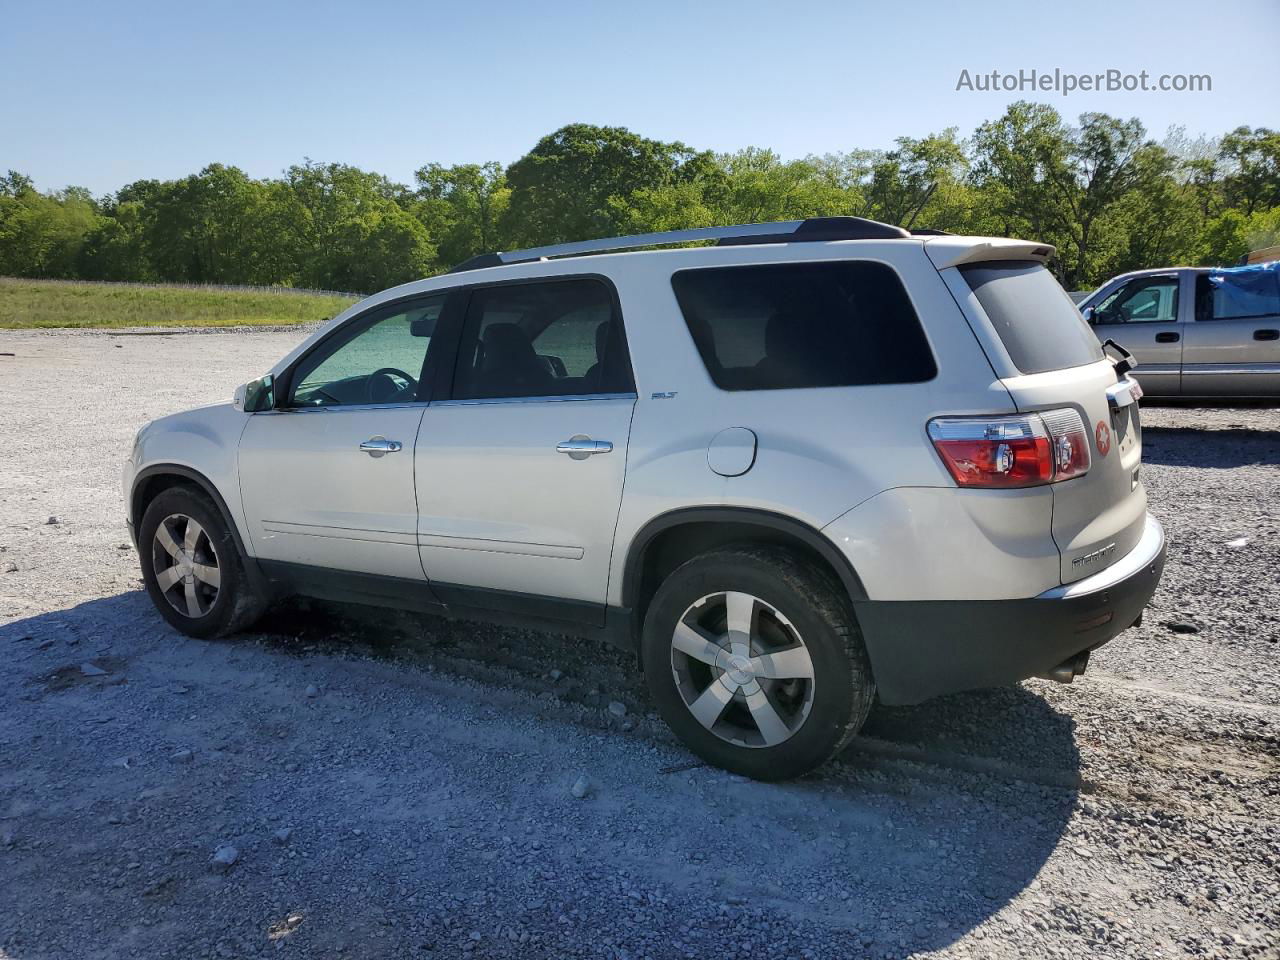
(1068, 669)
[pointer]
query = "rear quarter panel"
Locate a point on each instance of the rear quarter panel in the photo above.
(820, 452)
(1099, 517)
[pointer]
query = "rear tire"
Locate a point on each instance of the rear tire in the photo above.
(191, 567)
(773, 706)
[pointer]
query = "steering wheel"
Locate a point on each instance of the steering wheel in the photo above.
(388, 376)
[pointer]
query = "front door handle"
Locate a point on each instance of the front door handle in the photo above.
(581, 447)
(381, 446)
(1266, 334)
(1168, 337)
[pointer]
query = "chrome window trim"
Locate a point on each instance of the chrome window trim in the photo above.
(555, 398)
(344, 407)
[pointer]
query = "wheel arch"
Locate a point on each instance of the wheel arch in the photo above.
(151, 481)
(668, 540)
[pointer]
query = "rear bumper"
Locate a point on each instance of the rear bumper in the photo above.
(922, 649)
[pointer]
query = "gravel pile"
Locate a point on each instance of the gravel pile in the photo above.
(352, 784)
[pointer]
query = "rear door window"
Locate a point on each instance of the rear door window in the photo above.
(548, 339)
(795, 325)
(1238, 294)
(1035, 319)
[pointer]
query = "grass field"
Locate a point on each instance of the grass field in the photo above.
(26, 304)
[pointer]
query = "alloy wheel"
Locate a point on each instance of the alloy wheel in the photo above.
(185, 564)
(742, 669)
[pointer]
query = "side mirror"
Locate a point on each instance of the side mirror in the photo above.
(256, 395)
(1089, 315)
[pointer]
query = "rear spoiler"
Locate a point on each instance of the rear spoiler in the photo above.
(956, 251)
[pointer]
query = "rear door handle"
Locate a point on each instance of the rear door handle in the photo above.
(381, 446)
(1168, 337)
(1266, 334)
(580, 447)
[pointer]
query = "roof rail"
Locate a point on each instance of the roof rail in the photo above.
(813, 229)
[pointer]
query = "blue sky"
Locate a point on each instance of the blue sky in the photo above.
(99, 94)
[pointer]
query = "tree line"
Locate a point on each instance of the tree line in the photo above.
(1106, 194)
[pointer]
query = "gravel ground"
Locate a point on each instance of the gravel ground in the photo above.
(347, 783)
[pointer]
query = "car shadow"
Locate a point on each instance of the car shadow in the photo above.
(994, 780)
(1218, 449)
(935, 818)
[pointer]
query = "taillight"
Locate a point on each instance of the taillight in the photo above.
(1071, 457)
(1026, 450)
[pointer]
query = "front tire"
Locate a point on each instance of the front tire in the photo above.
(756, 662)
(191, 567)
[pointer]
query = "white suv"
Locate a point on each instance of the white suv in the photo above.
(819, 461)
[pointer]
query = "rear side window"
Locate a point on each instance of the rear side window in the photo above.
(1036, 320)
(787, 326)
(1238, 294)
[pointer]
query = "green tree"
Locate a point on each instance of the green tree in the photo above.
(41, 234)
(349, 230)
(679, 206)
(15, 184)
(905, 180)
(1252, 158)
(381, 248)
(564, 188)
(1062, 185)
(1155, 223)
(1109, 198)
(753, 185)
(209, 228)
(758, 186)
(462, 208)
(1229, 237)
(117, 248)
(1015, 159)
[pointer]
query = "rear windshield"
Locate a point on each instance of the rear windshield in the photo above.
(794, 325)
(1036, 320)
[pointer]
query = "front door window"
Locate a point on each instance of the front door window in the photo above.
(1145, 300)
(381, 360)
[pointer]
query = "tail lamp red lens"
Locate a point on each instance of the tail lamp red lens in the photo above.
(1025, 450)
